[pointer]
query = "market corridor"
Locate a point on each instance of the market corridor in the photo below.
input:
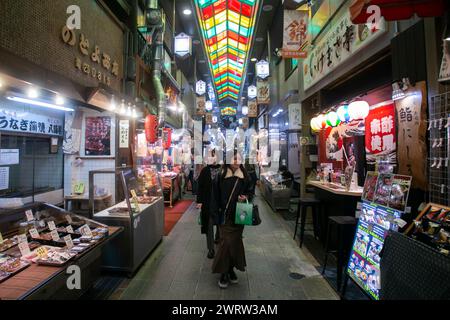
(179, 269)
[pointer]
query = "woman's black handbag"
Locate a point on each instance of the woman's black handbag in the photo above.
(256, 220)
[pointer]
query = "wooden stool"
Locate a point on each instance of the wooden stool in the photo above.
(341, 223)
(302, 207)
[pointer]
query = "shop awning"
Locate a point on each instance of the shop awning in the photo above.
(396, 9)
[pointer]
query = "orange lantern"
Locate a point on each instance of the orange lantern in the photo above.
(151, 128)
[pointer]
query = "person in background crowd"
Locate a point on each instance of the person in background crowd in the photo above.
(230, 253)
(208, 201)
(190, 177)
(197, 169)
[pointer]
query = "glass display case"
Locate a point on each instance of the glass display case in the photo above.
(38, 235)
(276, 190)
(141, 214)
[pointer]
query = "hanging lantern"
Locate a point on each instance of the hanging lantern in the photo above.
(321, 120)
(315, 125)
(167, 138)
(208, 105)
(332, 119)
(151, 128)
(342, 113)
(244, 110)
(214, 119)
(358, 109)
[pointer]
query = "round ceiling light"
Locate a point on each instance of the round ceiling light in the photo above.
(254, 59)
(196, 41)
(267, 7)
(187, 12)
(201, 61)
(259, 39)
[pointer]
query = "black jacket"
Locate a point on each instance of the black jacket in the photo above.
(226, 184)
(204, 190)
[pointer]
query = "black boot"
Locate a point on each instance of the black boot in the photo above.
(211, 254)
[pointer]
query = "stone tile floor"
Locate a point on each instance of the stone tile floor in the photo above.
(179, 269)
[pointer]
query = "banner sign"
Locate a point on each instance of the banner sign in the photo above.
(295, 116)
(263, 92)
(444, 73)
(201, 104)
(252, 109)
(295, 34)
(380, 133)
(30, 123)
(342, 41)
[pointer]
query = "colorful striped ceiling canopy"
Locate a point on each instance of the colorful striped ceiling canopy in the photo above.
(227, 29)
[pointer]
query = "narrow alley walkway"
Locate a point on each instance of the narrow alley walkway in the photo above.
(276, 267)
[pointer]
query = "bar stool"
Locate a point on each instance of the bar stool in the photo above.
(342, 224)
(302, 207)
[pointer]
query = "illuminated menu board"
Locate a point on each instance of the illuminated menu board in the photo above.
(374, 223)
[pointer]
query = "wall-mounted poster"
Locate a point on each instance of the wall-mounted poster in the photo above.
(252, 109)
(295, 116)
(97, 140)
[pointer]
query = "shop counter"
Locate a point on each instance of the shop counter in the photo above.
(143, 231)
(39, 282)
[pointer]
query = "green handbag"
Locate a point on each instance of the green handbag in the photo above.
(244, 213)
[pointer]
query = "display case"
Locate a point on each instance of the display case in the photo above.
(39, 242)
(276, 190)
(171, 187)
(141, 214)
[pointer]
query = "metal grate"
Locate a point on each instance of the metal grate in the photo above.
(439, 145)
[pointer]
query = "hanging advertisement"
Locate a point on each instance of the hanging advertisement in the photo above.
(124, 133)
(209, 118)
(343, 40)
(252, 109)
(251, 92)
(244, 122)
(295, 34)
(183, 45)
(262, 69)
(380, 133)
(444, 73)
(263, 92)
(97, 136)
(200, 87)
(295, 116)
(412, 148)
(201, 105)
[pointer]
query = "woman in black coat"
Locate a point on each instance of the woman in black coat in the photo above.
(208, 199)
(231, 252)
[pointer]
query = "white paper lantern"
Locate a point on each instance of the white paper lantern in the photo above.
(332, 119)
(208, 105)
(314, 125)
(244, 110)
(342, 113)
(358, 109)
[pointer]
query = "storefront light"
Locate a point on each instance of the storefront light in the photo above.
(59, 100)
(332, 119)
(33, 93)
(358, 109)
(122, 107)
(134, 114)
(39, 103)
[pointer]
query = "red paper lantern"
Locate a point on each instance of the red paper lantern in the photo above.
(167, 138)
(151, 128)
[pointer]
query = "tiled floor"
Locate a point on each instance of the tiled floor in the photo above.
(179, 269)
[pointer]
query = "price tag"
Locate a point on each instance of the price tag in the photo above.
(21, 238)
(401, 223)
(24, 248)
(86, 231)
(69, 219)
(68, 241)
(55, 235)
(51, 225)
(1, 238)
(69, 229)
(34, 233)
(29, 215)
(42, 252)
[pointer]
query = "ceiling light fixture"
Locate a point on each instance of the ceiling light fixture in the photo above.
(33, 93)
(254, 59)
(39, 103)
(267, 7)
(187, 12)
(59, 100)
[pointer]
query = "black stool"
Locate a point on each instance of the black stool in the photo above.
(341, 223)
(302, 207)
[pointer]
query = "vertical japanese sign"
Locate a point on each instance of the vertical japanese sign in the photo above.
(98, 136)
(263, 92)
(252, 109)
(412, 148)
(295, 116)
(208, 118)
(444, 73)
(124, 132)
(295, 34)
(380, 133)
(200, 102)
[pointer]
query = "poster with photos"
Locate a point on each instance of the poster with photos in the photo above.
(97, 141)
(370, 186)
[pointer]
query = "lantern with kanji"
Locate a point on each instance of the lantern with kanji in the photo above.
(167, 138)
(151, 128)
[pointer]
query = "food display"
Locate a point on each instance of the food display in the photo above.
(432, 227)
(8, 243)
(48, 255)
(10, 266)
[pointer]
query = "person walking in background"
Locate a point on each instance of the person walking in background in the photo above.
(234, 186)
(208, 201)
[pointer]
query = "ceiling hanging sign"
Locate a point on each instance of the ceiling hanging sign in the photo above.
(342, 41)
(262, 69)
(252, 92)
(200, 87)
(444, 73)
(211, 94)
(252, 109)
(263, 92)
(183, 45)
(209, 118)
(295, 34)
(200, 110)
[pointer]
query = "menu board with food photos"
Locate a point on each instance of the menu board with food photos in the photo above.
(383, 202)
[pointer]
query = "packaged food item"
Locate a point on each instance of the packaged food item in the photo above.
(54, 256)
(10, 266)
(8, 243)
